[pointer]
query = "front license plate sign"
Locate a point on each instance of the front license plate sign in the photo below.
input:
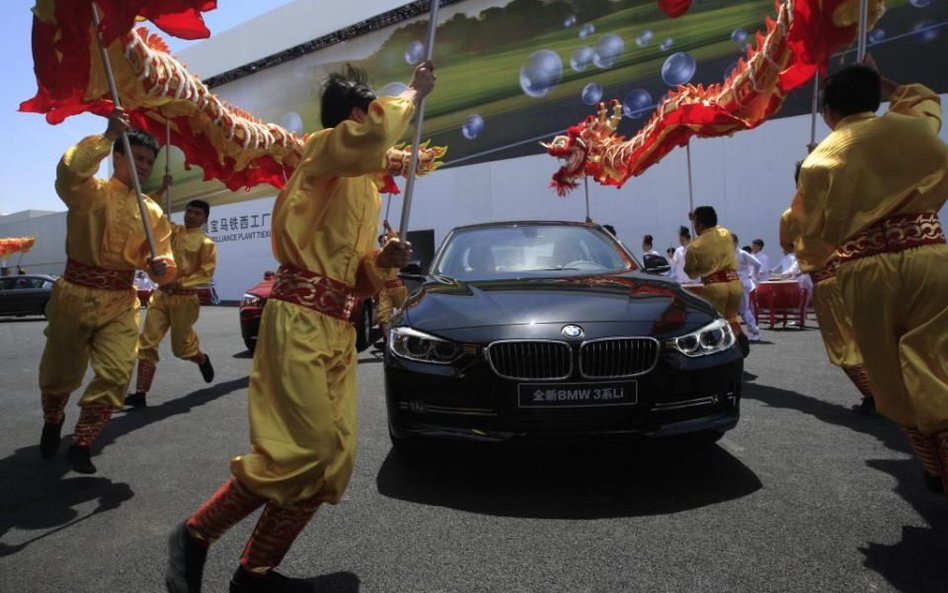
(577, 395)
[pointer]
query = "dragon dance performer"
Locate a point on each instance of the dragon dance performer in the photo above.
(711, 257)
(393, 294)
(872, 190)
(302, 395)
(93, 311)
(175, 305)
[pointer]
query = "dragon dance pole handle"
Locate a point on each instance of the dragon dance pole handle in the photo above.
(863, 30)
(168, 166)
(691, 195)
(130, 158)
(814, 107)
(419, 121)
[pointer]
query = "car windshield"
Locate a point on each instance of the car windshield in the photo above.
(530, 250)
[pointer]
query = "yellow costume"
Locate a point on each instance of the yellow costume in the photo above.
(836, 327)
(872, 190)
(177, 306)
(93, 311)
(303, 382)
(391, 297)
(711, 257)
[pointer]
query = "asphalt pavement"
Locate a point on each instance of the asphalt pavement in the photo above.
(804, 495)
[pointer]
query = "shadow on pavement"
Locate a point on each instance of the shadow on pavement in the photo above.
(36, 494)
(624, 479)
(337, 582)
(916, 564)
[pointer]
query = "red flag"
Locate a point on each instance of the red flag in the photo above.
(674, 8)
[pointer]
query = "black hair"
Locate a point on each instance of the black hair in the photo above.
(137, 138)
(759, 242)
(202, 205)
(647, 239)
(734, 237)
(747, 249)
(796, 173)
(852, 90)
(684, 232)
(341, 92)
(610, 228)
(706, 216)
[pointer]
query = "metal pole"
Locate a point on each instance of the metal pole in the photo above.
(113, 90)
(388, 206)
(863, 30)
(691, 197)
(586, 182)
(168, 166)
(419, 120)
(814, 108)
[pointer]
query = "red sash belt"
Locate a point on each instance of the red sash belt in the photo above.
(826, 272)
(893, 234)
(96, 277)
(725, 275)
(397, 282)
(314, 291)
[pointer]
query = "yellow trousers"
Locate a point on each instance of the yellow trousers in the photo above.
(177, 312)
(389, 300)
(90, 324)
(836, 327)
(899, 307)
(726, 298)
(302, 407)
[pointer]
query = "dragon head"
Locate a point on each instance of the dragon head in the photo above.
(583, 145)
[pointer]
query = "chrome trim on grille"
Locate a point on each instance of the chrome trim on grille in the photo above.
(406, 406)
(530, 360)
(688, 403)
(618, 357)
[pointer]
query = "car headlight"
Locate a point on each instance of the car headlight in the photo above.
(715, 337)
(249, 300)
(412, 344)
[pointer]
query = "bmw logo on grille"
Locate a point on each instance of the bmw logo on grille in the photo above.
(572, 331)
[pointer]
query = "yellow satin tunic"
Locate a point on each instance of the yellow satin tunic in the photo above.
(713, 251)
(868, 169)
(302, 396)
(103, 228)
(196, 256)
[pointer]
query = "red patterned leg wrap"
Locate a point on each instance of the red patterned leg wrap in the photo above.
(224, 509)
(860, 378)
(54, 407)
(92, 419)
(198, 358)
(146, 374)
(924, 447)
(275, 532)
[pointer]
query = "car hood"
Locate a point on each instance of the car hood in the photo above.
(641, 303)
(262, 289)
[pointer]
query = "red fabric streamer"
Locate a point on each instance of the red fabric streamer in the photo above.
(674, 8)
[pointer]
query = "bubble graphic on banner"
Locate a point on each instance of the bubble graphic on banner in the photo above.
(877, 35)
(473, 126)
(925, 31)
(586, 30)
(541, 72)
(645, 38)
(415, 52)
(637, 103)
(678, 68)
(582, 58)
(608, 51)
(920, 3)
(667, 44)
(392, 89)
(592, 93)
(738, 35)
(569, 21)
(293, 122)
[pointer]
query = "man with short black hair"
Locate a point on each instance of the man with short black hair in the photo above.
(757, 250)
(868, 202)
(678, 259)
(175, 305)
(93, 310)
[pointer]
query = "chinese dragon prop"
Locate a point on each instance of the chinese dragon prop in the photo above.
(796, 46)
(160, 94)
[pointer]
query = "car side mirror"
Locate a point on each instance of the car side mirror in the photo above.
(655, 264)
(412, 271)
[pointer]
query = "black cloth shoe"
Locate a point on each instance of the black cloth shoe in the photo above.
(185, 562)
(269, 582)
(136, 400)
(49, 440)
(866, 406)
(79, 458)
(207, 369)
(933, 483)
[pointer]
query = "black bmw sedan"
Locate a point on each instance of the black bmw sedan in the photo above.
(551, 330)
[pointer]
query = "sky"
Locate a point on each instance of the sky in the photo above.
(32, 148)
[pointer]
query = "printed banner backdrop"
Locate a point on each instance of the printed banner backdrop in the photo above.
(513, 73)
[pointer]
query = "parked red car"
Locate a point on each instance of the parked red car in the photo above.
(253, 301)
(204, 295)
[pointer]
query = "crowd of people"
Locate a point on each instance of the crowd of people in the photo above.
(862, 235)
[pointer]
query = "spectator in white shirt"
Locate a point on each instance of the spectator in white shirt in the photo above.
(678, 259)
(757, 250)
(647, 246)
(788, 260)
(748, 268)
